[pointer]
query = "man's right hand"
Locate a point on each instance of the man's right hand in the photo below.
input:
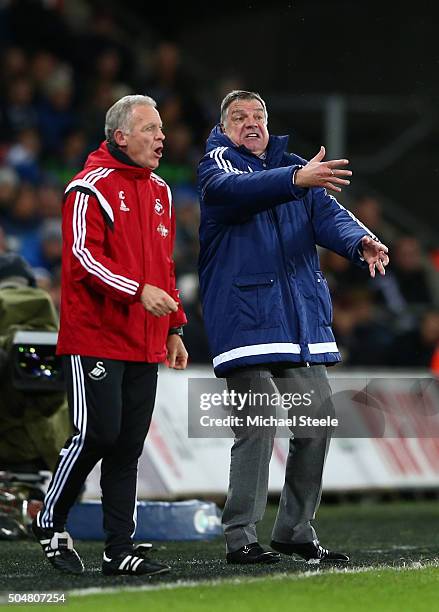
(157, 302)
(318, 173)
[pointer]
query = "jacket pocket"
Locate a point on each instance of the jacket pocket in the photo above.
(257, 301)
(323, 299)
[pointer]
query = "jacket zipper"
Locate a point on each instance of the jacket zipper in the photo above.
(143, 217)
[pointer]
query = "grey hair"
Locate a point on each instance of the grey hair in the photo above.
(119, 115)
(240, 94)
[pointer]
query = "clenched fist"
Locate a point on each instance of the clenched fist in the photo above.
(157, 302)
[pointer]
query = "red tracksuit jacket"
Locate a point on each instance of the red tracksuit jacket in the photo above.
(118, 234)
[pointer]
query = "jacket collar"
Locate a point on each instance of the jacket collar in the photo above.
(120, 155)
(110, 156)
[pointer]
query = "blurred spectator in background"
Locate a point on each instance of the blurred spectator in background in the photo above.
(43, 66)
(93, 114)
(434, 258)
(99, 33)
(194, 331)
(51, 244)
(70, 159)
(340, 274)
(187, 213)
(411, 272)
(49, 195)
(169, 78)
(9, 183)
(411, 284)
(27, 24)
(56, 118)
(363, 335)
(45, 251)
(108, 72)
(24, 155)
(108, 66)
(435, 362)
(18, 111)
(20, 218)
(14, 64)
(368, 209)
(53, 287)
(3, 244)
(179, 167)
(417, 347)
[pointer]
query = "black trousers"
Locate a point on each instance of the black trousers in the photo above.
(111, 404)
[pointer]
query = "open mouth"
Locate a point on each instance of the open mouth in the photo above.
(158, 151)
(252, 135)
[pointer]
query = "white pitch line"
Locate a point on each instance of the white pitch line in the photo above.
(15, 576)
(415, 565)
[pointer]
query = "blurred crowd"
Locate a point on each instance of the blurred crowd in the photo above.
(58, 80)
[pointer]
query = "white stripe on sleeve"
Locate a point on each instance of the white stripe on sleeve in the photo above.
(85, 257)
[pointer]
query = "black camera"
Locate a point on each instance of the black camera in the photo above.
(35, 365)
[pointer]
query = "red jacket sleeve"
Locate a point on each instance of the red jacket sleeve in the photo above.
(84, 228)
(176, 319)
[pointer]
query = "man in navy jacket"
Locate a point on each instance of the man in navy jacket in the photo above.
(267, 307)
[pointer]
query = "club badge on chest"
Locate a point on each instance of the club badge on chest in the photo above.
(162, 230)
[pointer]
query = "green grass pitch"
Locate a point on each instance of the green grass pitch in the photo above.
(394, 551)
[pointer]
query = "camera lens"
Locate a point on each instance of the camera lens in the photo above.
(38, 362)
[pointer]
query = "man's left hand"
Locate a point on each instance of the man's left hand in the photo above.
(375, 254)
(177, 353)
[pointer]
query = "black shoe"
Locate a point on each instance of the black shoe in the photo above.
(133, 563)
(312, 552)
(58, 549)
(252, 553)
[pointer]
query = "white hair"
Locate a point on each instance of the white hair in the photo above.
(119, 115)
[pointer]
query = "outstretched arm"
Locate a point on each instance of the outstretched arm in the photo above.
(328, 174)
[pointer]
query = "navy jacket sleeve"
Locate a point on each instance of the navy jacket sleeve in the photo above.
(336, 228)
(232, 195)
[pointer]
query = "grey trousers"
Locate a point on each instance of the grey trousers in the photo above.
(251, 454)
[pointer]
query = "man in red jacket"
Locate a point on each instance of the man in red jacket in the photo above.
(120, 317)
